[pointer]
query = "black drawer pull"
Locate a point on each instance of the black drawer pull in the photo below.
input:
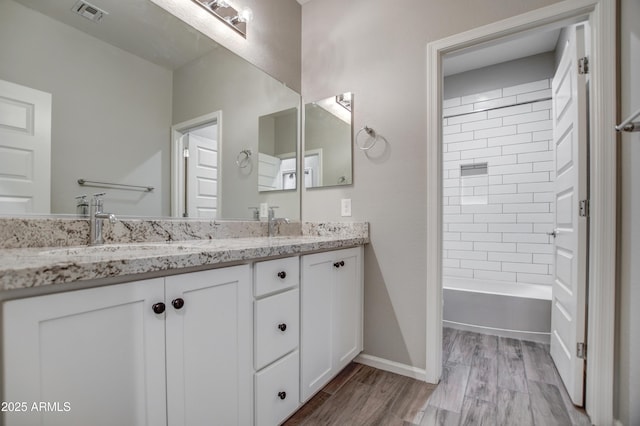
(178, 303)
(282, 395)
(282, 326)
(339, 264)
(282, 275)
(158, 308)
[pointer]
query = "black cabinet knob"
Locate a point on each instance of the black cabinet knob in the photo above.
(342, 263)
(282, 395)
(177, 303)
(158, 308)
(282, 326)
(282, 275)
(336, 265)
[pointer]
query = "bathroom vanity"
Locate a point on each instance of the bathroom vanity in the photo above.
(224, 331)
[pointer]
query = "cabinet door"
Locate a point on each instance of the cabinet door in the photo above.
(209, 347)
(347, 307)
(316, 297)
(100, 350)
(331, 316)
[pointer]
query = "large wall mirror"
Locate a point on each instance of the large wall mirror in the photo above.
(328, 141)
(140, 98)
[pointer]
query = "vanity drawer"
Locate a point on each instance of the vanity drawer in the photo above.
(275, 275)
(277, 324)
(277, 391)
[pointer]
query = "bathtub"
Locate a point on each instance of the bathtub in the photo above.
(517, 310)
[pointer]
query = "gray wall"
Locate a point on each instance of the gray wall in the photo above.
(273, 37)
(94, 140)
(243, 93)
(519, 71)
(628, 286)
(356, 46)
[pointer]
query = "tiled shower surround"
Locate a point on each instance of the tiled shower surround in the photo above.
(496, 223)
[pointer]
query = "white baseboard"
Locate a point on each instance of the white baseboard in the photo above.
(392, 366)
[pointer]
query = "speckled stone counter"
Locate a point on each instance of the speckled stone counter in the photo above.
(41, 266)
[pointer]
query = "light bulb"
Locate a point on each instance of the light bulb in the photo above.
(245, 15)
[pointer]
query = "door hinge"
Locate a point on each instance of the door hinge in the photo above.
(581, 350)
(583, 65)
(584, 208)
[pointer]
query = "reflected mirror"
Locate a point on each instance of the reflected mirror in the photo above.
(277, 160)
(136, 103)
(328, 139)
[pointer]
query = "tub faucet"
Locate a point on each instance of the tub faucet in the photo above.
(273, 221)
(95, 219)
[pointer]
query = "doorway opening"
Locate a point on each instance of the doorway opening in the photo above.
(514, 163)
(601, 228)
(195, 164)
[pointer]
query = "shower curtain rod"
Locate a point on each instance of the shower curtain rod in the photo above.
(498, 107)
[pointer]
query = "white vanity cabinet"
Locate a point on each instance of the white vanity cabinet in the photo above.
(174, 350)
(276, 340)
(331, 315)
(208, 346)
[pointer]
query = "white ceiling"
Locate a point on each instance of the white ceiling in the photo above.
(500, 51)
(137, 26)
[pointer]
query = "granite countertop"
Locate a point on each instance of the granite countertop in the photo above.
(41, 266)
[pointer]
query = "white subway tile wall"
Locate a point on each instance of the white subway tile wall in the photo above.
(504, 239)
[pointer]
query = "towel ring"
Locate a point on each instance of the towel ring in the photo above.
(372, 135)
(243, 158)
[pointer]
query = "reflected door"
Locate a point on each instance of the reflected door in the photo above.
(202, 177)
(25, 149)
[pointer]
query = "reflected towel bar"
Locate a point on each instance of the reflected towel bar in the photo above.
(85, 182)
(629, 125)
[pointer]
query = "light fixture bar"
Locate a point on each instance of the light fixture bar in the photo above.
(228, 14)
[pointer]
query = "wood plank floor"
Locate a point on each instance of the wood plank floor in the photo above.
(362, 395)
(490, 380)
(486, 380)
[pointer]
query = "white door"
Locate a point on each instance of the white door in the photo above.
(268, 172)
(209, 347)
(202, 177)
(98, 354)
(569, 288)
(25, 149)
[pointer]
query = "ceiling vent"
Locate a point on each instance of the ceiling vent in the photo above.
(89, 11)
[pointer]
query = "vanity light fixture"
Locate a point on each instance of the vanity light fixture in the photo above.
(344, 100)
(221, 9)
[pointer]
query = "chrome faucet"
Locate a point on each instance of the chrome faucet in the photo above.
(95, 219)
(273, 221)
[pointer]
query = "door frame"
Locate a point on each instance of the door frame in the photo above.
(601, 15)
(177, 158)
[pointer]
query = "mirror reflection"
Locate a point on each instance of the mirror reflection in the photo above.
(136, 98)
(328, 137)
(278, 136)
